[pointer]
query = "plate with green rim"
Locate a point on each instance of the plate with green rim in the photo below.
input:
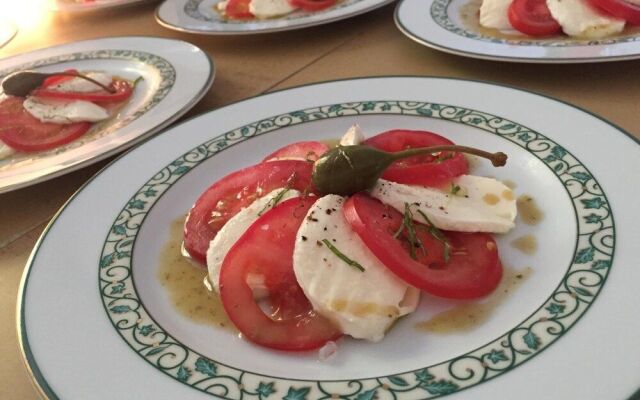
(200, 16)
(442, 25)
(174, 74)
(101, 301)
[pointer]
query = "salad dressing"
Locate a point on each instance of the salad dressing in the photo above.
(528, 210)
(467, 316)
(187, 284)
(526, 244)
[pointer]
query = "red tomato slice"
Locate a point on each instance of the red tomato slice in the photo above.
(122, 93)
(57, 79)
(229, 195)
(532, 17)
(619, 8)
(23, 132)
(238, 9)
(424, 170)
(312, 5)
(310, 151)
(473, 269)
(294, 325)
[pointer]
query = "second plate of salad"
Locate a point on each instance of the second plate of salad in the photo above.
(243, 17)
(574, 31)
(64, 107)
(304, 245)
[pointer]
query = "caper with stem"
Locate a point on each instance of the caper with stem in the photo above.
(22, 83)
(346, 170)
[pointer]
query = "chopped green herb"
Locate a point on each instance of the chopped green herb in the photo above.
(274, 201)
(412, 238)
(437, 234)
(455, 189)
(342, 256)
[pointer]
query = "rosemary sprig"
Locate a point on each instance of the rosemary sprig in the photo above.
(274, 201)
(414, 240)
(342, 256)
(437, 234)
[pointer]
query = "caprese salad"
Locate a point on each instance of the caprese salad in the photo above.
(589, 19)
(317, 242)
(42, 111)
(264, 9)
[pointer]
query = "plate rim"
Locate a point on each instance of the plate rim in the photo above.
(482, 56)
(37, 378)
(100, 7)
(134, 141)
(169, 25)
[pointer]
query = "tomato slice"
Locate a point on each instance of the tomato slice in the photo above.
(294, 325)
(309, 151)
(532, 17)
(122, 93)
(472, 270)
(630, 12)
(424, 170)
(312, 5)
(229, 195)
(238, 9)
(23, 132)
(57, 79)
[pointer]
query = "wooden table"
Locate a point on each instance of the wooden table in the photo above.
(368, 45)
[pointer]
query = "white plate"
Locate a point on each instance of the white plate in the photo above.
(83, 6)
(437, 24)
(175, 74)
(199, 16)
(95, 322)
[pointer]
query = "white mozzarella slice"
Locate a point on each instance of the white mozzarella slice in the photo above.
(64, 112)
(270, 8)
(493, 14)
(579, 18)
(82, 85)
(5, 151)
(353, 136)
(235, 227)
(479, 205)
(363, 304)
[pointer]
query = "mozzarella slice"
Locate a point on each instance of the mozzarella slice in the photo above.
(64, 112)
(479, 205)
(579, 18)
(363, 304)
(82, 85)
(270, 8)
(235, 227)
(353, 136)
(493, 14)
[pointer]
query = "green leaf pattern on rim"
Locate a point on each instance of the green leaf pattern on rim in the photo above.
(584, 278)
(440, 12)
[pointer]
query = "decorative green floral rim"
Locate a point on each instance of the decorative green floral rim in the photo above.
(162, 66)
(592, 259)
(192, 9)
(440, 12)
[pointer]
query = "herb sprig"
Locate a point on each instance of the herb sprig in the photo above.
(342, 256)
(438, 235)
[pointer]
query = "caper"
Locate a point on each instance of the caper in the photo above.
(346, 170)
(22, 83)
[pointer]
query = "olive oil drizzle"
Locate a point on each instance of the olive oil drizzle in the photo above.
(187, 284)
(467, 316)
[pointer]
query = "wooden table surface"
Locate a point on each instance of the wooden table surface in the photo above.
(367, 45)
